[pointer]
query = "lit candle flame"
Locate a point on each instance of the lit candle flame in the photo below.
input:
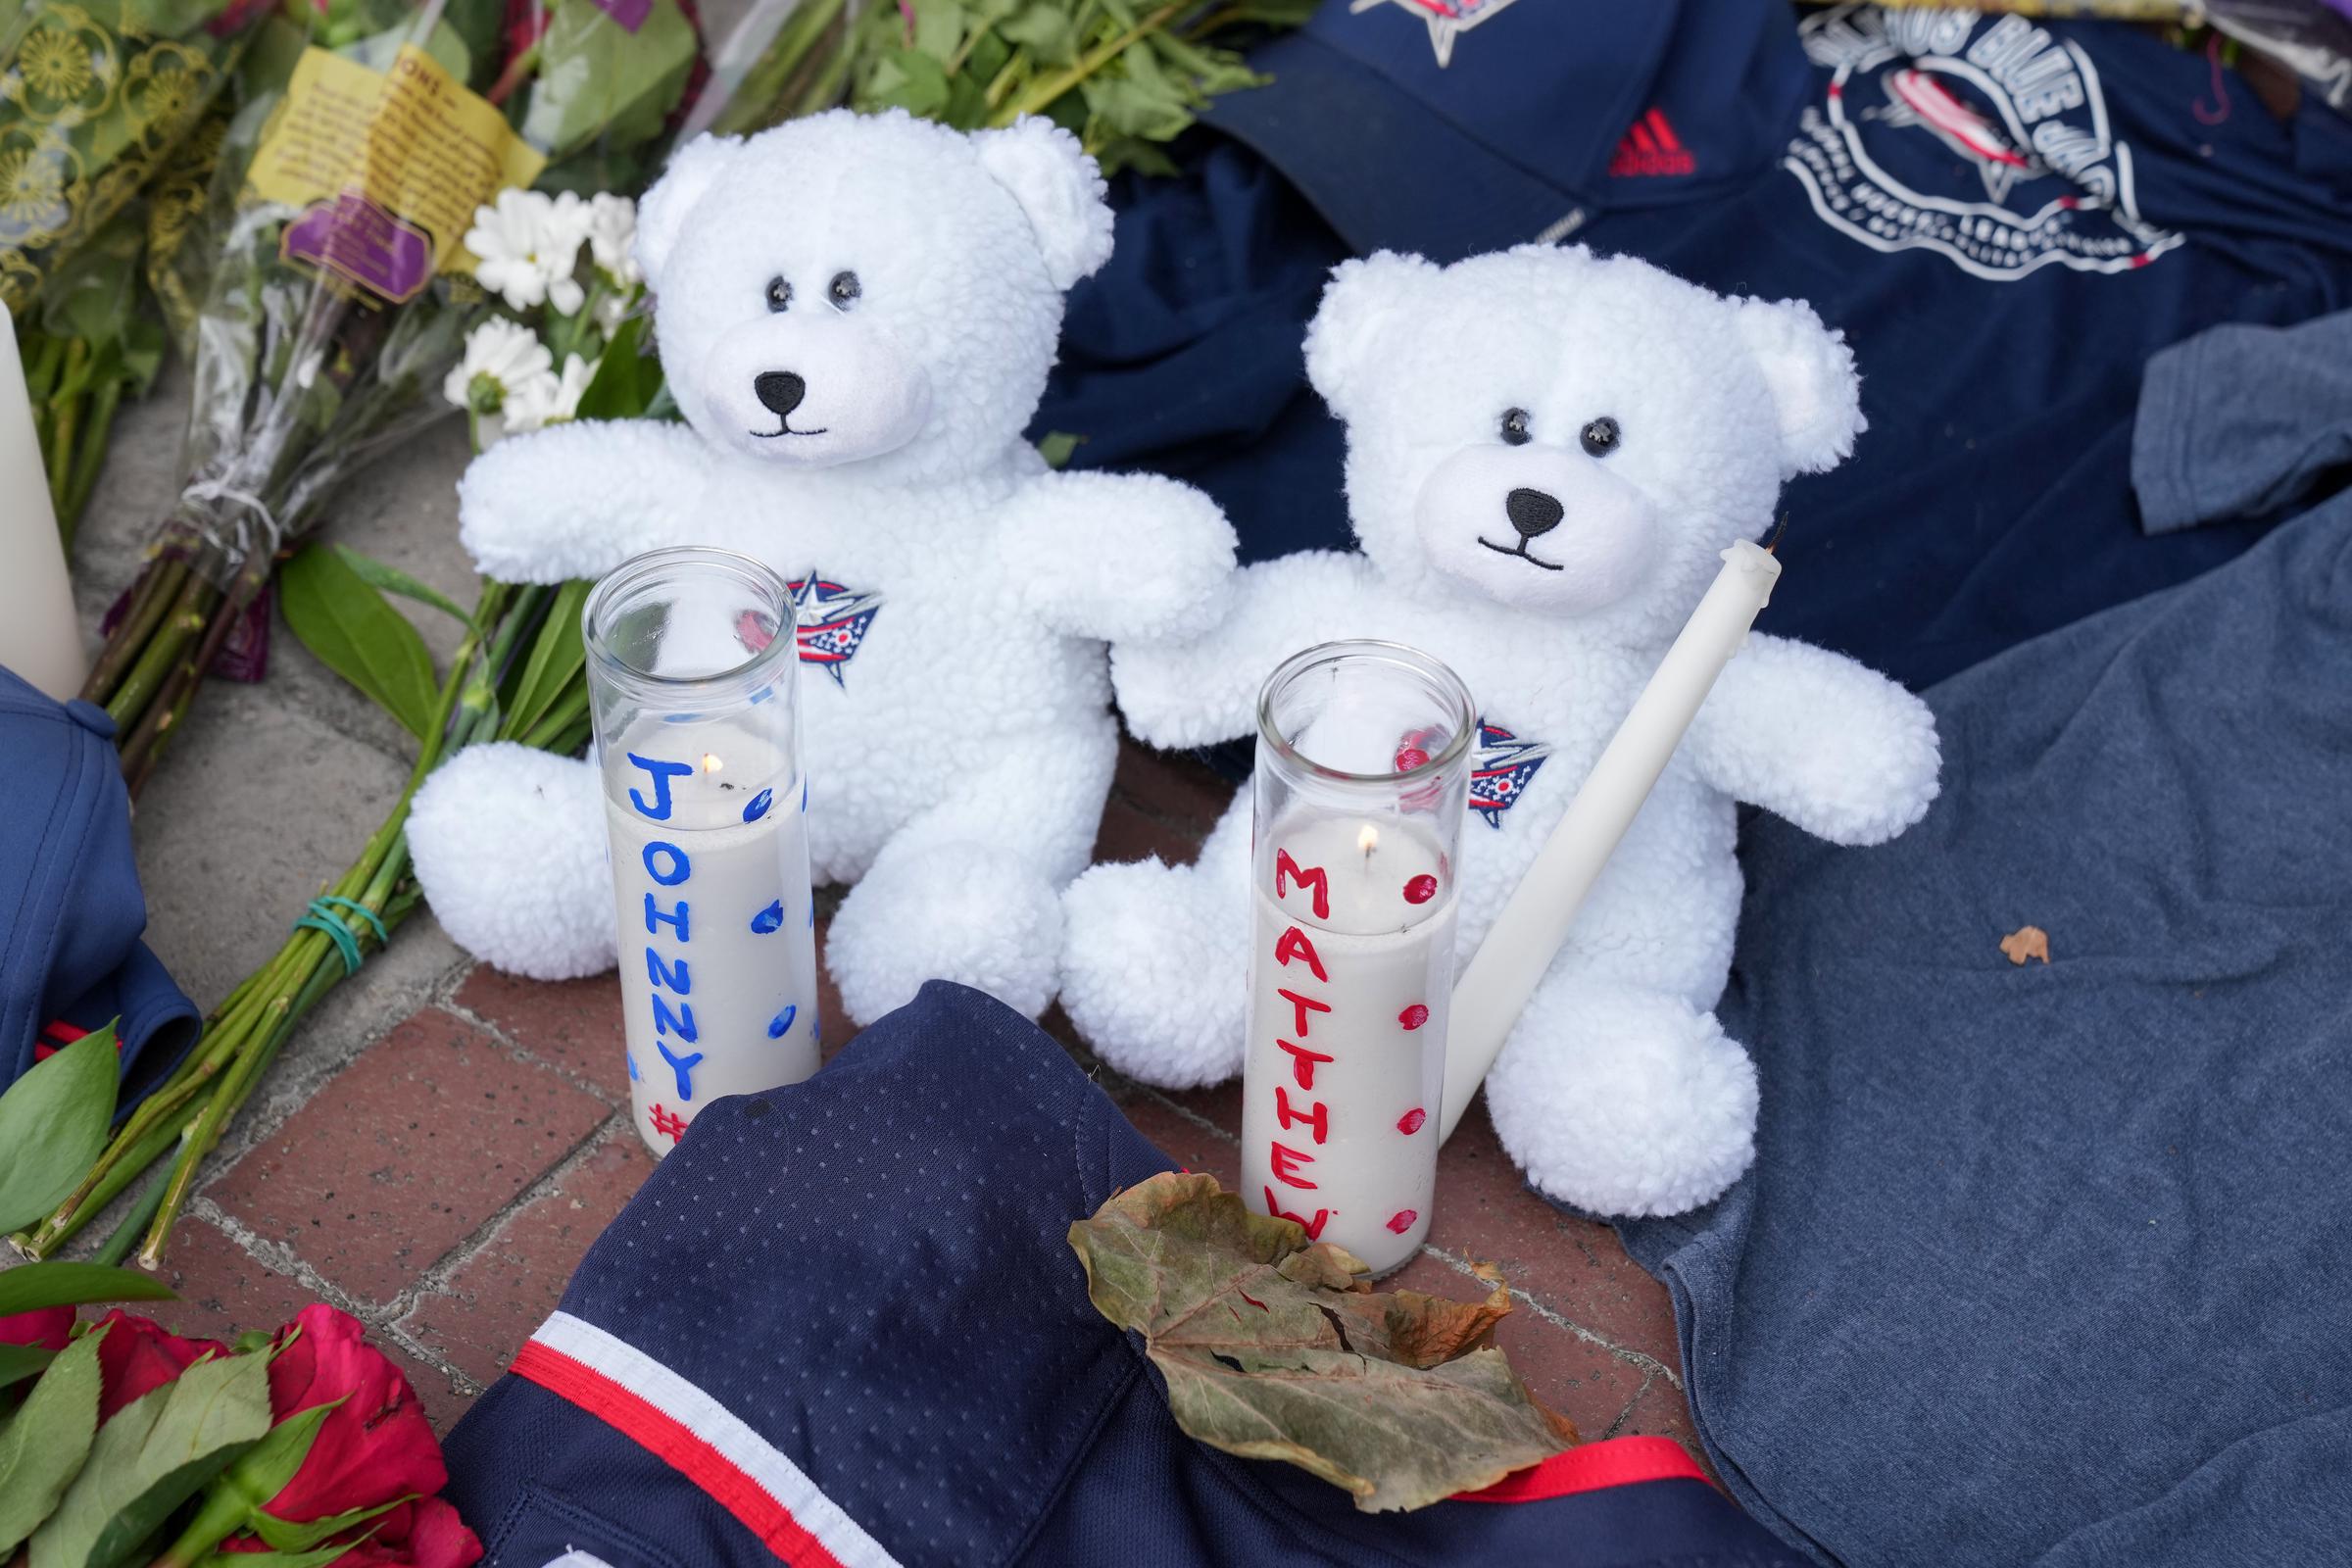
(1368, 841)
(711, 762)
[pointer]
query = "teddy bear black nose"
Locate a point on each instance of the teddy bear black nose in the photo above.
(780, 390)
(1531, 511)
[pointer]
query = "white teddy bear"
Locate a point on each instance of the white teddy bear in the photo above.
(857, 316)
(1546, 453)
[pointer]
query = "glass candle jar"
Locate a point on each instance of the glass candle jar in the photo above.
(692, 664)
(1362, 780)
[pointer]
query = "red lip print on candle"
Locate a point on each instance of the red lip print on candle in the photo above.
(1421, 889)
(1411, 1121)
(1414, 1017)
(1402, 1220)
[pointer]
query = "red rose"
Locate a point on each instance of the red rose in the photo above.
(50, 1328)
(374, 1448)
(138, 1357)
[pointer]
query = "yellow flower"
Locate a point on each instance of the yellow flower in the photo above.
(169, 91)
(31, 189)
(57, 65)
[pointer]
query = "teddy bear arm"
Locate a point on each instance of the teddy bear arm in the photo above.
(579, 499)
(1120, 556)
(1812, 736)
(1201, 690)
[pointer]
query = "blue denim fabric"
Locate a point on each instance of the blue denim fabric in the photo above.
(2052, 1265)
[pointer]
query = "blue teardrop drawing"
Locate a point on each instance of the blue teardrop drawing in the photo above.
(634, 1074)
(770, 920)
(783, 1021)
(759, 804)
(804, 797)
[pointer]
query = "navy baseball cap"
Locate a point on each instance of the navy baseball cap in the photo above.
(842, 1324)
(1449, 128)
(70, 908)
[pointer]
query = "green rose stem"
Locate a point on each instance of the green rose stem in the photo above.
(242, 1037)
(1040, 95)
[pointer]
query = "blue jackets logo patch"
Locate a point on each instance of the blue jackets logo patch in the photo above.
(832, 621)
(1501, 771)
(1448, 20)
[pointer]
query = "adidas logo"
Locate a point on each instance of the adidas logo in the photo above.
(1650, 147)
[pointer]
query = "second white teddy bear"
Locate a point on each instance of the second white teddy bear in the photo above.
(1546, 454)
(856, 316)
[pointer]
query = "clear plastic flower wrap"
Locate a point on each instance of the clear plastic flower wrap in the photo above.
(337, 292)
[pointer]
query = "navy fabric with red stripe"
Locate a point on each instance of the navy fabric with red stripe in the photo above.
(842, 1326)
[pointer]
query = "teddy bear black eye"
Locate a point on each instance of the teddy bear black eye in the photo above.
(1601, 437)
(779, 293)
(844, 288)
(1514, 427)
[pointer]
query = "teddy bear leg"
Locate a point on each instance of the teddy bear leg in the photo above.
(966, 910)
(508, 845)
(1623, 1101)
(971, 890)
(1155, 966)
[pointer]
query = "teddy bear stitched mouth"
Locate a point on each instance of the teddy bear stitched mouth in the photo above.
(1523, 553)
(770, 435)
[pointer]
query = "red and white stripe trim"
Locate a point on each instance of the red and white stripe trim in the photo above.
(699, 1437)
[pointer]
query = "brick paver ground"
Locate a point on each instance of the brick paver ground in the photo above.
(443, 1184)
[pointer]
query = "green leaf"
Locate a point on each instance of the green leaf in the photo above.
(1044, 30)
(1057, 446)
(278, 1559)
(597, 80)
(1276, 1348)
(392, 581)
(20, 1362)
(357, 633)
(53, 1123)
(627, 378)
(33, 1286)
(262, 1471)
(557, 657)
(42, 1448)
(155, 1455)
(283, 1537)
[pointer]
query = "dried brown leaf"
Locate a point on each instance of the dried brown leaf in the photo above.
(1273, 1349)
(2027, 941)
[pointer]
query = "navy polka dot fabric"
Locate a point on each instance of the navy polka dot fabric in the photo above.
(870, 1271)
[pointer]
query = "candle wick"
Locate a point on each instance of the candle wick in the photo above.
(1774, 545)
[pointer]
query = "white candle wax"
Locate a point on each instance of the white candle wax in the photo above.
(1534, 923)
(39, 638)
(710, 850)
(1345, 1056)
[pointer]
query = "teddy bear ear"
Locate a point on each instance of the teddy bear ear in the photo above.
(1059, 187)
(1810, 374)
(661, 211)
(1362, 297)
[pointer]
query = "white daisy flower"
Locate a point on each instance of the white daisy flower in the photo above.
(548, 398)
(611, 237)
(609, 312)
(506, 354)
(528, 242)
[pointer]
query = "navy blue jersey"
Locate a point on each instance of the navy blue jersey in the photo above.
(2007, 215)
(842, 1324)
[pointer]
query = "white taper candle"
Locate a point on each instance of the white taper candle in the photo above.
(1533, 927)
(39, 638)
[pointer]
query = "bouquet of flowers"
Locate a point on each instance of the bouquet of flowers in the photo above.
(121, 1443)
(337, 289)
(301, 1446)
(565, 285)
(1125, 78)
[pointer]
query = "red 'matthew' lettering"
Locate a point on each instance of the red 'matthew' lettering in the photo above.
(1650, 147)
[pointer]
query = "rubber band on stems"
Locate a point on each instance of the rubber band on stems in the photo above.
(321, 917)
